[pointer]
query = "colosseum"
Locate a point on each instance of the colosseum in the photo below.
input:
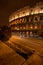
(27, 21)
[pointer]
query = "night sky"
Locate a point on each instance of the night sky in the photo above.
(9, 6)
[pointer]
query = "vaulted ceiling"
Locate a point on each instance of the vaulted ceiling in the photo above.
(9, 6)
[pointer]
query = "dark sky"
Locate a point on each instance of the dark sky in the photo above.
(9, 6)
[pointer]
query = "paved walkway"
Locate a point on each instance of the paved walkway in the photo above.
(9, 56)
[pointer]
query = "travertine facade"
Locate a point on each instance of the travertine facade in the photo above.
(27, 21)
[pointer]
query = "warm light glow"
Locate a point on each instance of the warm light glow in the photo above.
(36, 11)
(41, 11)
(32, 13)
(36, 27)
(20, 28)
(15, 28)
(31, 27)
(11, 19)
(31, 33)
(27, 33)
(26, 11)
(25, 14)
(23, 27)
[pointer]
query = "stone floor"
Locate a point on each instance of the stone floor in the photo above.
(8, 56)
